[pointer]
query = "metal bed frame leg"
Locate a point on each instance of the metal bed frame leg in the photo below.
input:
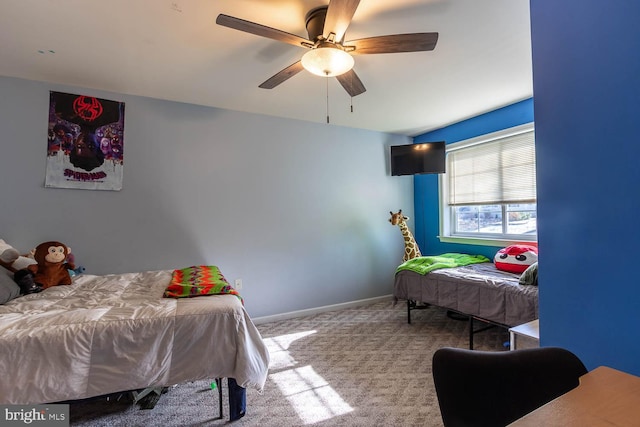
(237, 399)
(472, 332)
(414, 305)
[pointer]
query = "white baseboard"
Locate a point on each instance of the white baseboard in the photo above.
(316, 310)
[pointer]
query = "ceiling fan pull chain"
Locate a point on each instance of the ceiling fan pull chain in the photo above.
(351, 78)
(327, 80)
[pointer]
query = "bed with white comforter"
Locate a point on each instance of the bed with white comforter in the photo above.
(105, 334)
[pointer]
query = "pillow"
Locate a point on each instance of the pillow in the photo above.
(530, 275)
(7, 253)
(11, 258)
(8, 288)
(23, 262)
(516, 258)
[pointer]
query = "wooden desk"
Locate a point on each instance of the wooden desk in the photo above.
(605, 397)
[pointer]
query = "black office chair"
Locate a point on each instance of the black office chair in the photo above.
(492, 389)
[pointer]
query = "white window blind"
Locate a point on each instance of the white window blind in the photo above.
(499, 171)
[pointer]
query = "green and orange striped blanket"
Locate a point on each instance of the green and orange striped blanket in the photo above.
(197, 281)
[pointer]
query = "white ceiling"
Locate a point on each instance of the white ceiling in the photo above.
(173, 50)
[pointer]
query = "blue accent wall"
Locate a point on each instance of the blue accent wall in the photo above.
(586, 69)
(426, 219)
(587, 105)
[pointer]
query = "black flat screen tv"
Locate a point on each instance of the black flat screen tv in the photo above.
(411, 159)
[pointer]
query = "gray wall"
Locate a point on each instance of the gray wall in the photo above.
(297, 210)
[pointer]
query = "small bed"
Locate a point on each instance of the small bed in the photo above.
(113, 333)
(477, 291)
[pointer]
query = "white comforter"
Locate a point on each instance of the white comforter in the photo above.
(104, 334)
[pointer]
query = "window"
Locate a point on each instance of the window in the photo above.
(488, 194)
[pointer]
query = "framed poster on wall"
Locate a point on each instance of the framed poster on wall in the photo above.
(85, 142)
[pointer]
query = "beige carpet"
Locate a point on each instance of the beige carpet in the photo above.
(354, 367)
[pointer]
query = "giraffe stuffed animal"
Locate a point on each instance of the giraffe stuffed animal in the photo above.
(411, 249)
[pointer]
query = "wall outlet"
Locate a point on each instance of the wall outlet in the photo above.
(238, 284)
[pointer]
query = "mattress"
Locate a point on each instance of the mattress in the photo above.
(105, 334)
(479, 290)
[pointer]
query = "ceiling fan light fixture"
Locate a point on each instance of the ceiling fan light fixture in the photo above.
(327, 61)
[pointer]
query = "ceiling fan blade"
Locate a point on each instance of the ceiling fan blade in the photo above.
(351, 83)
(283, 75)
(339, 17)
(261, 30)
(413, 42)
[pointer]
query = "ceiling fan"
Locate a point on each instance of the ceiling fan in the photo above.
(329, 55)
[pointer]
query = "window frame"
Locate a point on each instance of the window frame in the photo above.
(445, 211)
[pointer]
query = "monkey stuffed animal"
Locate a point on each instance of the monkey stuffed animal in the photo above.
(52, 268)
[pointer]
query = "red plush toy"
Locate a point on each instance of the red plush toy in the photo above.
(516, 258)
(52, 268)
